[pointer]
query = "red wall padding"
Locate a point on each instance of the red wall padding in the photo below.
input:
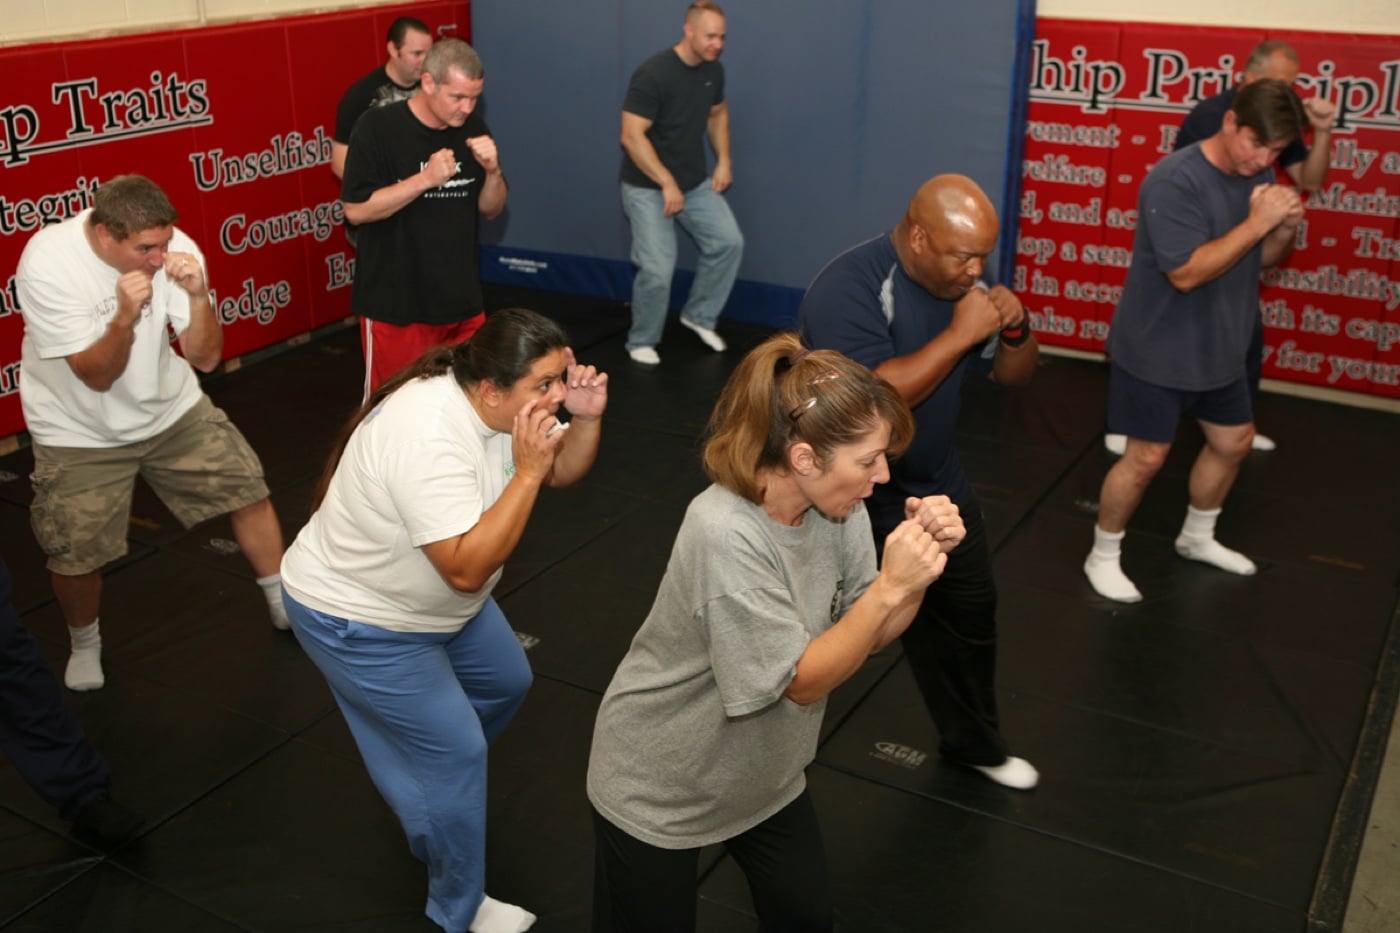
(1106, 99)
(234, 122)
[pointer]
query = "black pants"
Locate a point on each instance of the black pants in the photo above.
(952, 642)
(639, 888)
(38, 733)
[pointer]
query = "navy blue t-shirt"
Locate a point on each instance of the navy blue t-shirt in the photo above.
(865, 306)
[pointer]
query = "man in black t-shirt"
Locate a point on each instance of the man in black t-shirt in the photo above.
(419, 175)
(397, 79)
(1275, 59)
(674, 101)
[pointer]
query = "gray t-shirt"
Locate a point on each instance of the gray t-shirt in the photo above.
(695, 742)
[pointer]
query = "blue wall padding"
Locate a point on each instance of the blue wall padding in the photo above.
(839, 111)
(1016, 133)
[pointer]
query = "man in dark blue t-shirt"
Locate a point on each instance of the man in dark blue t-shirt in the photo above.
(1209, 219)
(912, 306)
(674, 102)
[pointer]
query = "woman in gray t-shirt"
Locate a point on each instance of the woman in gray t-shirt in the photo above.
(770, 601)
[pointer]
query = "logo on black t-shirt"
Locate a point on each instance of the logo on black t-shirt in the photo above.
(454, 182)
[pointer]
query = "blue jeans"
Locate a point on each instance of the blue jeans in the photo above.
(709, 222)
(423, 707)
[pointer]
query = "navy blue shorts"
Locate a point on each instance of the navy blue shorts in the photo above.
(1151, 412)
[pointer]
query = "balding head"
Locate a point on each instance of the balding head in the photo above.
(946, 235)
(1273, 59)
(949, 201)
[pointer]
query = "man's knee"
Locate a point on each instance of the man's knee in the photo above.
(731, 243)
(1231, 442)
(718, 237)
(1143, 459)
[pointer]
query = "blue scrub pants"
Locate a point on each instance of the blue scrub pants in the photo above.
(423, 707)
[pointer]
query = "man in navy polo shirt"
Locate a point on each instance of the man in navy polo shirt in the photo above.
(912, 305)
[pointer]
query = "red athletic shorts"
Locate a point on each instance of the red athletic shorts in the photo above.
(390, 347)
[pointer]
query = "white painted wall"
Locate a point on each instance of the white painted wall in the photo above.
(30, 20)
(1355, 16)
(38, 20)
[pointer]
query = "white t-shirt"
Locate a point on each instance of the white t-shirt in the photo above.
(420, 468)
(68, 296)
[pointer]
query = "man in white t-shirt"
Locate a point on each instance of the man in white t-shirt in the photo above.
(105, 398)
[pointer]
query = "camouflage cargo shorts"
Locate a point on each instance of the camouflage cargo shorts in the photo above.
(200, 467)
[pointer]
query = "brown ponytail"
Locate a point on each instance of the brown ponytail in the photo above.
(783, 394)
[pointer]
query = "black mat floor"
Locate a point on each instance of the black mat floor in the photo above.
(1202, 753)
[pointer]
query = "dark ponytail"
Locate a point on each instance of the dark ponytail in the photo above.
(434, 362)
(500, 352)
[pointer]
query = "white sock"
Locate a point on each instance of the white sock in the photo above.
(84, 671)
(1200, 523)
(1197, 542)
(495, 916)
(272, 589)
(1104, 573)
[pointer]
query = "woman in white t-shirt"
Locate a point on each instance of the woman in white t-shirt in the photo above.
(770, 601)
(389, 584)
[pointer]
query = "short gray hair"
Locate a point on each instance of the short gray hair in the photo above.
(449, 55)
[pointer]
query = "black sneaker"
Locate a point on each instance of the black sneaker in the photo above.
(105, 821)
